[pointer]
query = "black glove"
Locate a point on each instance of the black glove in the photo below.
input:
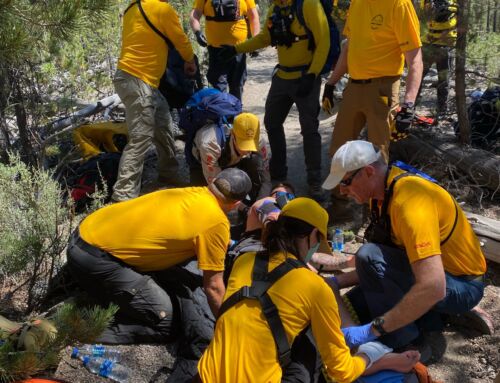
(200, 37)
(254, 54)
(327, 100)
(306, 85)
(404, 117)
(227, 52)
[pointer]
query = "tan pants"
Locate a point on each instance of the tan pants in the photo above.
(374, 104)
(148, 121)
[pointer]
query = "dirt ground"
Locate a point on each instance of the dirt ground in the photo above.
(465, 356)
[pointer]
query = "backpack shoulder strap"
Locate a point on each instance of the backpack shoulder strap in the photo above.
(261, 282)
(151, 25)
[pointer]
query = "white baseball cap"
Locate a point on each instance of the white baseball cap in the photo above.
(351, 156)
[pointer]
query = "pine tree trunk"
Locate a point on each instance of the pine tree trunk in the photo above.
(462, 25)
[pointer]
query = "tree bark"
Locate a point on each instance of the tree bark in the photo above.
(462, 27)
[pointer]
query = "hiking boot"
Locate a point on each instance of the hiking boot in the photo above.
(317, 193)
(476, 319)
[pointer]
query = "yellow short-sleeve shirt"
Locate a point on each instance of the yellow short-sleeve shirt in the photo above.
(379, 32)
(161, 229)
(243, 348)
(225, 32)
(422, 214)
(144, 53)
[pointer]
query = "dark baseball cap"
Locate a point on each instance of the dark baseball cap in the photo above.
(233, 184)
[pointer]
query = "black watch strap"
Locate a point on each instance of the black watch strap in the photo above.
(377, 324)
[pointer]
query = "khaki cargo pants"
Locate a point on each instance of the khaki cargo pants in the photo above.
(373, 103)
(148, 121)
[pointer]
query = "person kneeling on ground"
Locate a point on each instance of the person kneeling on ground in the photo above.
(115, 249)
(423, 259)
(243, 147)
(264, 310)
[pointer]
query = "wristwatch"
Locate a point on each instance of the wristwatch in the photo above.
(377, 324)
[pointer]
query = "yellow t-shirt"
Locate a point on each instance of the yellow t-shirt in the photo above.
(298, 54)
(225, 32)
(144, 53)
(379, 32)
(422, 215)
(243, 348)
(161, 229)
(91, 137)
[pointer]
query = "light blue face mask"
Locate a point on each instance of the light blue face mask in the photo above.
(310, 253)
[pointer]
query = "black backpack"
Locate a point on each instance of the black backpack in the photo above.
(442, 11)
(225, 10)
(484, 118)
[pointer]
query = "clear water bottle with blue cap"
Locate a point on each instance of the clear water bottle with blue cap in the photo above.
(338, 240)
(96, 350)
(107, 369)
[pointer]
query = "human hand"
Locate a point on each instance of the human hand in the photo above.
(327, 100)
(404, 117)
(190, 68)
(306, 85)
(227, 52)
(356, 335)
(374, 351)
(200, 37)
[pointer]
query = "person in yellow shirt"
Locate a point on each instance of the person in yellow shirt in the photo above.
(114, 250)
(439, 39)
(381, 36)
(142, 62)
(275, 286)
(225, 24)
(296, 80)
(423, 259)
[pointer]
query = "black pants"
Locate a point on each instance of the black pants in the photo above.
(280, 99)
(223, 75)
(146, 311)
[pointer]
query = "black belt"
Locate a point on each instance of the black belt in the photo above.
(92, 250)
(470, 278)
(370, 80)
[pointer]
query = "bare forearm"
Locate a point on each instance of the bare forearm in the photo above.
(254, 22)
(341, 66)
(348, 279)
(414, 78)
(194, 21)
(214, 298)
(328, 262)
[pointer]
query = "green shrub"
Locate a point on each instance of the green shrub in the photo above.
(32, 227)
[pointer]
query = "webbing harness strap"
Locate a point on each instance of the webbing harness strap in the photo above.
(151, 25)
(262, 280)
(384, 218)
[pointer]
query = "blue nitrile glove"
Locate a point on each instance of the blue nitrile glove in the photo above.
(374, 351)
(356, 335)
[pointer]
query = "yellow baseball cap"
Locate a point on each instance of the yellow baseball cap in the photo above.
(246, 131)
(307, 210)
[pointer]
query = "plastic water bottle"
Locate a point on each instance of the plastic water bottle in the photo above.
(476, 95)
(96, 350)
(338, 240)
(107, 369)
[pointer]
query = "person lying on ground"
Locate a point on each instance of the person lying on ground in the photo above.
(423, 258)
(244, 148)
(114, 251)
(264, 311)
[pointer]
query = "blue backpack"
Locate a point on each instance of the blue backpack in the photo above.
(207, 106)
(334, 52)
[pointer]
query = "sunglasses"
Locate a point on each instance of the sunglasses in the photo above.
(348, 180)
